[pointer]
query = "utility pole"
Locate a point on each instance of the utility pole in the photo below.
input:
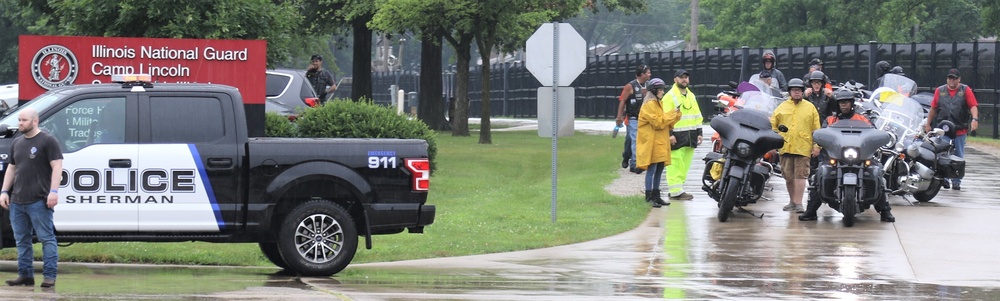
(693, 45)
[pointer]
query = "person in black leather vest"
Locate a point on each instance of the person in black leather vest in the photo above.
(629, 103)
(954, 102)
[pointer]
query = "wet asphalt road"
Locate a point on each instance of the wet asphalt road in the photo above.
(942, 250)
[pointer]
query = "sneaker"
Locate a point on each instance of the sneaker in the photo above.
(624, 162)
(48, 282)
(788, 207)
(684, 196)
(21, 280)
(799, 209)
(956, 187)
(946, 184)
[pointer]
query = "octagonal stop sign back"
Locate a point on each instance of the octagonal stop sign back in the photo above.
(556, 54)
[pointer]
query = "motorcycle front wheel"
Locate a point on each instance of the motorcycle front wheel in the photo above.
(728, 199)
(930, 193)
(849, 205)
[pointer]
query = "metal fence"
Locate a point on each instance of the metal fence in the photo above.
(514, 89)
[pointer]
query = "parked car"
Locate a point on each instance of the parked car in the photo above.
(8, 97)
(288, 91)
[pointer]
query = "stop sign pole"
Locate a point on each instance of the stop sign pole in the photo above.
(568, 59)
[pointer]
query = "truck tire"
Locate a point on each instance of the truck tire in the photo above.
(317, 238)
(270, 251)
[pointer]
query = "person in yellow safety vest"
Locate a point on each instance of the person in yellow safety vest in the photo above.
(796, 120)
(685, 136)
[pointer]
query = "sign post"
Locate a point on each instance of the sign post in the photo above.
(556, 54)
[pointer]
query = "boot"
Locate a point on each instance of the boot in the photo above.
(887, 216)
(658, 199)
(811, 207)
(885, 211)
(649, 199)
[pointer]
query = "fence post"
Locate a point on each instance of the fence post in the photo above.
(872, 58)
(745, 52)
(996, 90)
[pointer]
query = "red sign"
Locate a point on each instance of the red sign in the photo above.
(47, 62)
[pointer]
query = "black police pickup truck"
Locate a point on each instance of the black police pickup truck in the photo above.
(172, 162)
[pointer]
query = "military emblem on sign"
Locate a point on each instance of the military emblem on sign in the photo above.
(54, 66)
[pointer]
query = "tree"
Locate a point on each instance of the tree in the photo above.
(790, 22)
(454, 21)
(509, 23)
(9, 30)
(329, 16)
(626, 23)
(991, 18)
(427, 19)
(221, 19)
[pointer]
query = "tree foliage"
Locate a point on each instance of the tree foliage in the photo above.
(627, 23)
(775, 23)
(221, 19)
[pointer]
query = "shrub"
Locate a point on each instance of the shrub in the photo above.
(363, 119)
(278, 126)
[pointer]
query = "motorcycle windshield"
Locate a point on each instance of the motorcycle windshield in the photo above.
(757, 100)
(850, 134)
(901, 84)
(902, 116)
(771, 89)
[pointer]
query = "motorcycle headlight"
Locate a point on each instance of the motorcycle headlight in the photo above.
(892, 141)
(743, 149)
(899, 146)
(850, 154)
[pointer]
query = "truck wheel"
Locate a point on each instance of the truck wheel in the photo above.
(317, 238)
(270, 251)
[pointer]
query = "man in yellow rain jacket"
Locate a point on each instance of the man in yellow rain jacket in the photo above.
(796, 120)
(685, 136)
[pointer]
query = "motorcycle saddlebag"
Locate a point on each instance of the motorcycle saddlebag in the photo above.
(951, 166)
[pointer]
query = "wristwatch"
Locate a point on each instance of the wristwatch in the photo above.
(975, 119)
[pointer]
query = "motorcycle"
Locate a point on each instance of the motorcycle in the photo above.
(849, 179)
(736, 176)
(914, 163)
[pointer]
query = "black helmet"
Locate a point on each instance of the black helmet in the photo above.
(882, 67)
(817, 75)
(796, 83)
(896, 70)
(843, 94)
(816, 61)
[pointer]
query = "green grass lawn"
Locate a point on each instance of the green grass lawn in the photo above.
(489, 198)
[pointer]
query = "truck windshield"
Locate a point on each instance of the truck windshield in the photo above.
(40, 103)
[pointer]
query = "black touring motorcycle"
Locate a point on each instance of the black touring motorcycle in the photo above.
(735, 177)
(849, 178)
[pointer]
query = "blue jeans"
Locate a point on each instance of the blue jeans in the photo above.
(959, 151)
(631, 127)
(653, 175)
(38, 216)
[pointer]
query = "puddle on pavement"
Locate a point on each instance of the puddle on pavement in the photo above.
(130, 282)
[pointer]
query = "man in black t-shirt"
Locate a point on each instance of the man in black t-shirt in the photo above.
(34, 173)
(321, 79)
